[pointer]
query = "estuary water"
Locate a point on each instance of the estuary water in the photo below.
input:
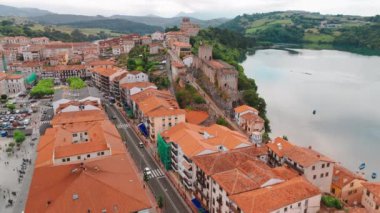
(344, 90)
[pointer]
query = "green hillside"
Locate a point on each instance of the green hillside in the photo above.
(355, 33)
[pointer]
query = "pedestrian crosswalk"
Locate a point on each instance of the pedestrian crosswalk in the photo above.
(122, 126)
(156, 173)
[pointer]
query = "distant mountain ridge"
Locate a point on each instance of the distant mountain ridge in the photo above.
(117, 25)
(21, 12)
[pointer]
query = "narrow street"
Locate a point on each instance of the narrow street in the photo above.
(159, 183)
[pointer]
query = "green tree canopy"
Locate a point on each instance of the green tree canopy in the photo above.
(19, 136)
(43, 87)
(76, 83)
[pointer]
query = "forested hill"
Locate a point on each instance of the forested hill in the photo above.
(312, 29)
(117, 25)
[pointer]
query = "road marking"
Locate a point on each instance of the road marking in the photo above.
(122, 126)
(156, 173)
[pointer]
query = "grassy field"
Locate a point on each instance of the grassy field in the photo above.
(317, 37)
(264, 23)
(68, 29)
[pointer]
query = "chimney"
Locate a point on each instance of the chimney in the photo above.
(309, 147)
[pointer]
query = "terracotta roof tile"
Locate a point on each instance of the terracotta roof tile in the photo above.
(196, 117)
(271, 198)
(343, 176)
(244, 108)
(374, 188)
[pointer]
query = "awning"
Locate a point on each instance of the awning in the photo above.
(143, 129)
(198, 205)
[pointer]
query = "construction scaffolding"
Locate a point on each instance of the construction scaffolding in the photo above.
(164, 150)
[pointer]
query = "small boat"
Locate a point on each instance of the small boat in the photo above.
(362, 166)
(374, 175)
(314, 112)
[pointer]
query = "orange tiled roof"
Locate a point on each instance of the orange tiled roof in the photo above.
(100, 62)
(251, 175)
(79, 116)
(2, 76)
(102, 135)
(196, 117)
(303, 156)
(59, 68)
(164, 111)
(251, 117)
(244, 108)
(181, 44)
(178, 64)
(109, 184)
(275, 197)
(223, 161)
(136, 84)
(194, 139)
(104, 71)
(343, 176)
(374, 188)
(14, 76)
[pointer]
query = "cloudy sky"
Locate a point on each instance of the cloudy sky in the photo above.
(204, 8)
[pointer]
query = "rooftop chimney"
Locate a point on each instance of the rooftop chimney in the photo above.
(309, 147)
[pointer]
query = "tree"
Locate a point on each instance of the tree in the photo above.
(172, 29)
(76, 83)
(3, 98)
(160, 201)
(285, 137)
(11, 106)
(43, 87)
(19, 137)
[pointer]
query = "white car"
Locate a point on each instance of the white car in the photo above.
(147, 171)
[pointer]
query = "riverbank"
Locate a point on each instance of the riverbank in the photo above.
(339, 87)
(316, 46)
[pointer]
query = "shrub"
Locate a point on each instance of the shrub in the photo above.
(331, 202)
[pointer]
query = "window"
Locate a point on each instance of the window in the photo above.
(322, 175)
(299, 204)
(78, 157)
(352, 184)
(102, 153)
(313, 168)
(327, 174)
(314, 177)
(368, 193)
(323, 166)
(88, 156)
(75, 134)
(285, 209)
(63, 160)
(67, 159)
(328, 164)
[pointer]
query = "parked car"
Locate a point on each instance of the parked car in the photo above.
(147, 171)
(141, 145)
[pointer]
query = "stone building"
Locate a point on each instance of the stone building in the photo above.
(189, 28)
(221, 74)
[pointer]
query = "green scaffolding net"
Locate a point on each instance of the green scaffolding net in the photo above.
(164, 150)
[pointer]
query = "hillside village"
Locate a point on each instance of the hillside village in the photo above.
(155, 110)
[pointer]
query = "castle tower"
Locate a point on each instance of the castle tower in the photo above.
(205, 52)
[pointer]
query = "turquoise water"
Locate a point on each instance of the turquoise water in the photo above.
(342, 87)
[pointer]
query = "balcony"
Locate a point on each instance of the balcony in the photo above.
(187, 159)
(174, 166)
(187, 183)
(175, 146)
(188, 174)
(291, 165)
(174, 159)
(219, 200)
(174, 152)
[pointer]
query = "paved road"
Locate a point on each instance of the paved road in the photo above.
(158, 184)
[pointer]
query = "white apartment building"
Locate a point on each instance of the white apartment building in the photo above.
(315, 167)
(371, 197)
